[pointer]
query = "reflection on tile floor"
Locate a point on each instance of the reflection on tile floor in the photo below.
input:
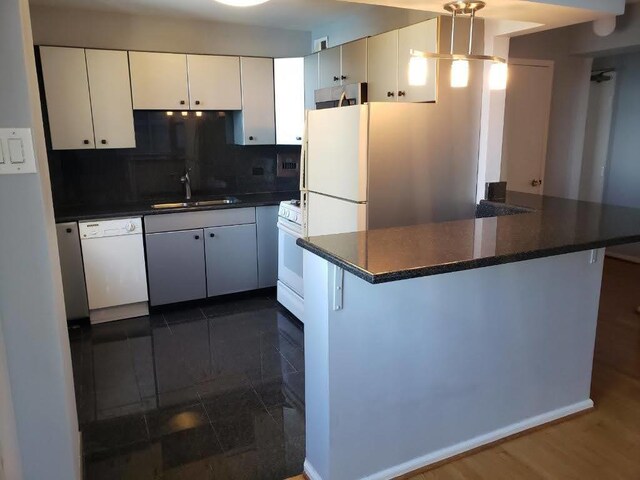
(208, 392)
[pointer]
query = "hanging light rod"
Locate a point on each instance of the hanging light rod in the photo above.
(456, 56)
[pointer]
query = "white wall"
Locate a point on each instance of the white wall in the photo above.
(31, 300)
(84, 28)
(10, 465)
(569, 107)
(370, 20)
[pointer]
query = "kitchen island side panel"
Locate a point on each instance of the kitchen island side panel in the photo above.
(423, 369)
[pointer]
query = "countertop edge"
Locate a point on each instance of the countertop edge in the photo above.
(462, 265)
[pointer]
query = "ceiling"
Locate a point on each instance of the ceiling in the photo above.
(289, 14)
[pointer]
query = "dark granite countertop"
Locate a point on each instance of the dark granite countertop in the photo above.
(548, 226)
(86, 212)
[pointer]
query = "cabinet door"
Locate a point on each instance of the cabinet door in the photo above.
(176, 266)
(232, 264)
(159, 81)
(383, 67)
(75, 291)
(255, 125)
(267, 228)
(64, 72)
(310, 81)
(424, 37)
(329, 67)
(354, 62)
(288, 75)
(108, 72)
(214, 82)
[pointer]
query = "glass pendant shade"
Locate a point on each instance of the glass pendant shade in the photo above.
(498, 75)
(460, 74)
(418, 71)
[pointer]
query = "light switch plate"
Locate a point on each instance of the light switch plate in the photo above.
(17, 154)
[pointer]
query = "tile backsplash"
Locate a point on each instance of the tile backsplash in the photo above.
(165, 147)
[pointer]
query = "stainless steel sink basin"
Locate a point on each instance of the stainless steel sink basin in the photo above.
(202, 203)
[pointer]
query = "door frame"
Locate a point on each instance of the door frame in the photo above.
(533, 62)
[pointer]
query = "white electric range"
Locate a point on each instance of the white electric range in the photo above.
(290, 278)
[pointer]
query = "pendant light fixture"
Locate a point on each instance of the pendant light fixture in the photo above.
(242, 3)
(460, 62)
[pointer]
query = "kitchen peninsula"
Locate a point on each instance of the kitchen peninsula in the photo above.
(425, 342)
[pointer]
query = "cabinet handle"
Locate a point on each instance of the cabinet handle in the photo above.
(343, 77)
(182, 102)
(251, 137)
(69, 230)
(197, 102)
(212, 235)
(298, 138)
(197, 237)
(390, 94)
(401, 93)
(86, 142)
(103, 142)
(336, 79)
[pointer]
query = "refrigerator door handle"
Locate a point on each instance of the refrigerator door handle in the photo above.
(303, 153)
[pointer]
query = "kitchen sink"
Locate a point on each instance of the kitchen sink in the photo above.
(202, 203)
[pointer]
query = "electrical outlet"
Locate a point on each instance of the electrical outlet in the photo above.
(288, 164)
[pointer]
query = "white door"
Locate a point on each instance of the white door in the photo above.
(329, 67)
(526, 124)
(66, 87)
(214, 82)
(337, 152)
(382, 67)
(596, 140)
(310, 81)
(328, 215)
(354, 62)
(288, 75)
(255, 125)
(423, 37)
(159, 81)
(108, 72)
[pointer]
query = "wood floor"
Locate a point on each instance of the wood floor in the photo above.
(602, 444)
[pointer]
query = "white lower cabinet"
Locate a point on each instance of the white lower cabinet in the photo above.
(231, 256)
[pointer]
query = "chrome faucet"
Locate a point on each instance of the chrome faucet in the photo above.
(186, 180)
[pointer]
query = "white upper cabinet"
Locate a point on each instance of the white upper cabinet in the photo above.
(288, 74)
(214, 82)
(64, 72)
(310, 81)
(255, 124)
(383, 67)
(423, 37)
(88, 98)
(110, 93)
(388, 64)
(159, 81)
(354, 62)
(329, 67)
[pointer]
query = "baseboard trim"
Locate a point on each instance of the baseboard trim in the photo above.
(309, 472)
(465, 448)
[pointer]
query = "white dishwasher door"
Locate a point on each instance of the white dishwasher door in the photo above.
(115, 270)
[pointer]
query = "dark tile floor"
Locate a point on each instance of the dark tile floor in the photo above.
(214, 391)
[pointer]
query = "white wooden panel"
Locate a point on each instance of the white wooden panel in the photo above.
(424, 37)
(159, 81)
(354, 62)
(338, 152)
(329, 67)
(214, 82)
(288, 76)
(66, 87)
(327, 215)
(255, 125)
(526, 126)
(310, 81)
(110, 91)
(382, 67)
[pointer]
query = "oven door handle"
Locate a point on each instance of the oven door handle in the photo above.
(289, 230)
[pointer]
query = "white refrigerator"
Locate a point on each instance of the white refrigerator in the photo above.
(381, 165)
